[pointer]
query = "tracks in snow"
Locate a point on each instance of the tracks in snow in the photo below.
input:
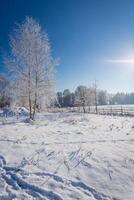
(15, 181)
(77, 185)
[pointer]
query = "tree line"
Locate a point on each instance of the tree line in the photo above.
(83, 96)
(92, 96)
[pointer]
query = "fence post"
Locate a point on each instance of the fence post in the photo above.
(121, 110)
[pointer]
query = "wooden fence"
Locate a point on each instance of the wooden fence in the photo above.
(122, 110)
(125, 110)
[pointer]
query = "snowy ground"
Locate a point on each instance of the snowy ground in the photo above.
(67, 156)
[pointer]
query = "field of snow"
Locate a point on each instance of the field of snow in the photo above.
(67, 156)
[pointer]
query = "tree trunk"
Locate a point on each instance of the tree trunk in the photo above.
(29, 94)
(30, 106)
(84, 110)
(35, 105)
(35, 98)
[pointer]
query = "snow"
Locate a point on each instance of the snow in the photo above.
(10, 112)
(67, 156)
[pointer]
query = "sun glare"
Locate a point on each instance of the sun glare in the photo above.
(122, 61)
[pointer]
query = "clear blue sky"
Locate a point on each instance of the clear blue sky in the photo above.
(88, 36)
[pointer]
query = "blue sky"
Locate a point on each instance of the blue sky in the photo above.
(89, 37)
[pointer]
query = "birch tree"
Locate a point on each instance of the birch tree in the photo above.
(31, 63)
(90, 97)
(81, 96)
(102, 97)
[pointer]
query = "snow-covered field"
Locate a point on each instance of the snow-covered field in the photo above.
(67, 156)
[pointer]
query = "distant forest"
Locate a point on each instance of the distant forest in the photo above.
(82, 96)
(82, 93)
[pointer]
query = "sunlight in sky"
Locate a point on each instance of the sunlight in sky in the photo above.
(127, 64)
(93, 39)
(122, 61)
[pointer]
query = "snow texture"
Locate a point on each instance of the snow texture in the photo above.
(67, 156)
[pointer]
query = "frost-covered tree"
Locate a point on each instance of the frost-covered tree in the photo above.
(102, 97)
(65, 99)
(81, 97)
(90, 97)
(31, 63)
